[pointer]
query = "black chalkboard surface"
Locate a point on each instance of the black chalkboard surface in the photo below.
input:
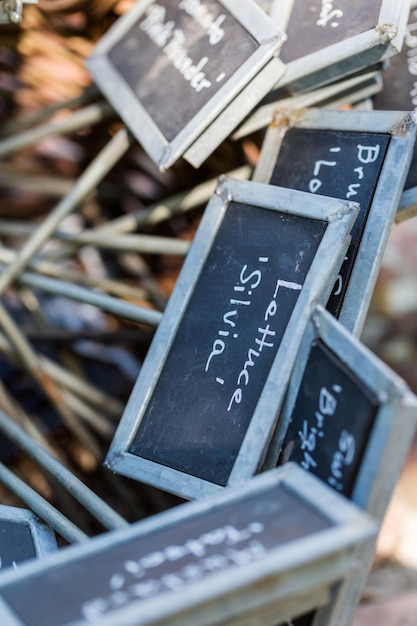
(16, 543)
(328, 431)
(224, 345)
(207, 402)
(185, 565)
(172, 67)
(330, 40)
(342, 400)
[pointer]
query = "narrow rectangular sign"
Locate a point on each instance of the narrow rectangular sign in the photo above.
(280, 535)
(330, 40)
(171, 67)
(202, 410)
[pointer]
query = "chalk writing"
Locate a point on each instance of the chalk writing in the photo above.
(160, 32)
(261, 342)
(324, 436)
(310, 433)
(132, 583)
(204, 18)
(248, 281)
(188, 50)
(343, 457)
(14, 564)
(329, 15)
(365, 155)
(222, 349)
(230, 317)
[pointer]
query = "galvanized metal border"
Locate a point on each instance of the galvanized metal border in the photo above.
(293, 567)
(44, 541)
(388, 190)
(135, 115)
(346, 56)
(340, 216)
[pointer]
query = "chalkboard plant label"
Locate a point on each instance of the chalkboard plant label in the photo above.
(400, 93)
(329, 39)
(23, 536)
(205, 402)
(357, 155)
(171, 68)
(264, 544)
(349, 420)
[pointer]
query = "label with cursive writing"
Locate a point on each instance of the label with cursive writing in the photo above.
(316, 25)
(186, 47)
(329, 16)
(331, 420)
(225, 345)
(162, 563)
(339, 164)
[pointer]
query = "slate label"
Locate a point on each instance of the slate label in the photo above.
(316, 25)
(331, 421)
(227, 341)
(167, 561)
(181, 47)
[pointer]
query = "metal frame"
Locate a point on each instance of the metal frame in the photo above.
(290, 570)
(402, 74)
(346, 91)
(242, 105)
(43, 537)
(349, 55)
(249, 16)
(340, 216)
(386, 198)
(394, 424)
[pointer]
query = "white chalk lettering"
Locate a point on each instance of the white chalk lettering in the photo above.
(411, 41)
(314, 429)
(352, 190)
(328, 13)
(342, 458)
(261, 341)
(218, 348)
(122, 591)
(368, 154)
(172, 42)
(248, 281)
(200, 13)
